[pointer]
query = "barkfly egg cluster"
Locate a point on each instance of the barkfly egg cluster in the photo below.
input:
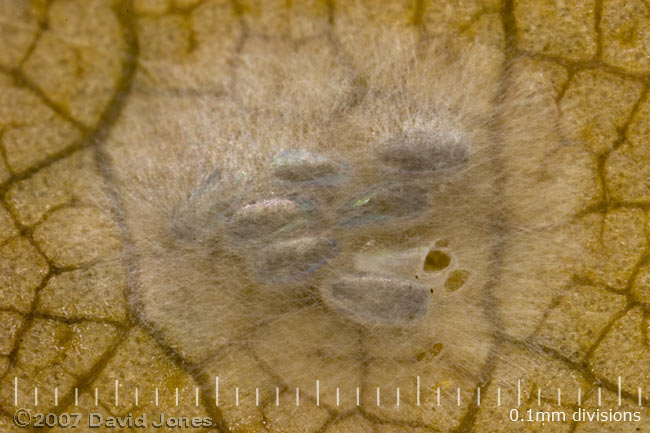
(303, 231)
(355, 236)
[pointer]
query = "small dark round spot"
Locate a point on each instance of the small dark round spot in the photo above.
(432, 352)
(456, 280)
(436, 349)
(436, 261)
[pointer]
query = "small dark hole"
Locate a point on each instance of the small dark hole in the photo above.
(436, 261)
(456, 279)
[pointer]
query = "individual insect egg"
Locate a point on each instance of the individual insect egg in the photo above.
(377, 300)
(195, 218)
(296, 165)
(422, 152)
(287, 260)
(275, 216)
(386, 201)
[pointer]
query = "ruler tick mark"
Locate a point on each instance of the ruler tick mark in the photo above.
(579, 396)
(619, 391)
